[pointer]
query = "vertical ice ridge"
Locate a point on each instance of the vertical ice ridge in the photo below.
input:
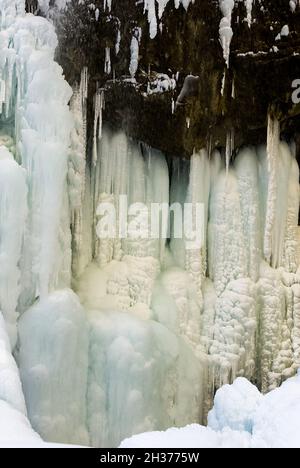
(36, 98)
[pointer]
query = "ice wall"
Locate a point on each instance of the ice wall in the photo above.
(161, 326)
(35, 116)
(167, 325)
(220, 299)
(13, 209)
(53, 363)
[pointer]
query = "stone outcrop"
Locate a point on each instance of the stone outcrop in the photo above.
(259, 79)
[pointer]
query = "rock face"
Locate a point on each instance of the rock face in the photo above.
(263, 66)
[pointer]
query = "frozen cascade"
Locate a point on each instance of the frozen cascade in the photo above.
(159, 325)
(99, 106)
(272, 160)
(56, 404)
(28, 45)
(78, 170)
(13, 209)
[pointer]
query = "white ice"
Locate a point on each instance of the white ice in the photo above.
(241, 418)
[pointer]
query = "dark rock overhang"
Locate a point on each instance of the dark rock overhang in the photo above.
(261, 73)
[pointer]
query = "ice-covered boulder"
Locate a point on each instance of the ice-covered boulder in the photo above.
(235, 406)
(276, 423)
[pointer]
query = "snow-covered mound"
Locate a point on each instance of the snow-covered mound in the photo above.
(14, 425)
(241, 418)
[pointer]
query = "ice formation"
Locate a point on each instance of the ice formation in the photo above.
(225, 30)
(53, 336)
(241, 418)
(150, 7)
(134, 48)
(154, 326)
(14, 425)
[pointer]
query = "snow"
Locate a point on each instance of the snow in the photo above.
(276, 423)
(161, 83)
(10, 387)
(241, 418)
(15, 428)
(192, 436)
(14, 425)
(234, 406)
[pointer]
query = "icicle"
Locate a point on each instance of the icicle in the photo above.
(84, 85)
(102, 107)
(273, 139)
(118, 40)
(134, 48)
(78, 106)
(107, 63)
(233, 89)
(2, 95)
(173, 106)
(229, 149)
(98, 122)
(107, 5)
(249, 5)
(153, 16)
(225, 29)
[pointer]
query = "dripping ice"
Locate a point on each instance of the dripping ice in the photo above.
(187, 319)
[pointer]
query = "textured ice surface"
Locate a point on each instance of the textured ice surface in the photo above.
(14, 425)
(234, 406)
(139, 378)
(53, 364)
(10, 384)
(13, 209)
(192, 436)
(36, 99)
(162, 326)
(241, 418)
(129, 285)
(276, 422)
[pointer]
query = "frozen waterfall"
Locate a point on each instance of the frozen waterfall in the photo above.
(125, 334)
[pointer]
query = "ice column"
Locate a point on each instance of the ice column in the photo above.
(78, 179)
(13, 211)
(272, 158)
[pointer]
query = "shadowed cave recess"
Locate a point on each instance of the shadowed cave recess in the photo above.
(164, 101)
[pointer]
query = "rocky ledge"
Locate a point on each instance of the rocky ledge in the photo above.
(264, 65)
